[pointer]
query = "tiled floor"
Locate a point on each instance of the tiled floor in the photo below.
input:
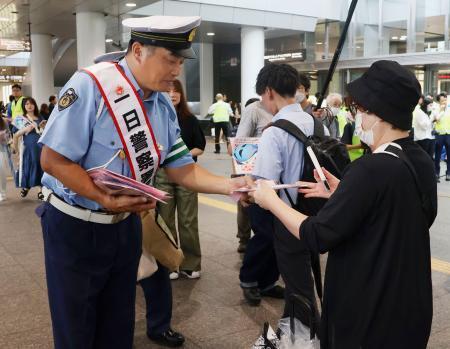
(209, 311)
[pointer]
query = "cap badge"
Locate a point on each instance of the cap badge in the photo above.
(192, 34)
(119, 90)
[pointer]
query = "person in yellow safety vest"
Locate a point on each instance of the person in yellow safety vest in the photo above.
(441, 116)
(342, 119)
(350, 139)
(16, 104)
(221, 112)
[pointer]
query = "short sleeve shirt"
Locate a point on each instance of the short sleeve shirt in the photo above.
(280, 155)
(84, 133)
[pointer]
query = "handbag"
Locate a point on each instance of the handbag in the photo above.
(157, 240)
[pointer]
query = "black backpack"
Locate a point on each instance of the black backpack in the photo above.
(333, 155)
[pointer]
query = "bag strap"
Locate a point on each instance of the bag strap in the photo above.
(292, 129)
(398, 152)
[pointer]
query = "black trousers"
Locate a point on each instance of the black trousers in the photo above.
(442, 141)
(91, 279)
(428, 145)
(158, 299)
(259, 267)
(294, 263)
(224, 127)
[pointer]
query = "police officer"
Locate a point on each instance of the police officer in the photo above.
(114, 115)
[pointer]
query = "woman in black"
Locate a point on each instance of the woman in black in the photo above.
(375, 225)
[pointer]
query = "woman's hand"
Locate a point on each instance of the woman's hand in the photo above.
(264, 195)
(318, 190)
(28, 129)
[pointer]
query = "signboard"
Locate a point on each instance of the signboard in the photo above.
(14, 45)
(298, 56)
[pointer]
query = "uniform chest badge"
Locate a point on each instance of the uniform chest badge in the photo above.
(119, 90)
(67, 99)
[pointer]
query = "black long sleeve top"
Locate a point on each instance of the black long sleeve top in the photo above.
(378, 291)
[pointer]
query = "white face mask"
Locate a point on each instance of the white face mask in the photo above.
(365, 136)
(299, 97)
(335, 110)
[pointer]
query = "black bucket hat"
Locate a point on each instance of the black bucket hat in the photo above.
(388, 90)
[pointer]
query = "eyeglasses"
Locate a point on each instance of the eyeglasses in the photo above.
(354, 108)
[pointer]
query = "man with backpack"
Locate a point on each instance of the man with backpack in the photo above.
(281, 158)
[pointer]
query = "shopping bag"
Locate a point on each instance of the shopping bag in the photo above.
(157, 241)
(294, 334)
(268, 339)
(147, 266)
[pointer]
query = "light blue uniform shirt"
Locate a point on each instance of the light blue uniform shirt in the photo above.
(76, 133)
(280, 155)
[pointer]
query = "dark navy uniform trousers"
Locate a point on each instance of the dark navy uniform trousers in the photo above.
(259, 267)
(91, 279)
(158, 298)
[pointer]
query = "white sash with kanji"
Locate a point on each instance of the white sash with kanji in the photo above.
(130, 118)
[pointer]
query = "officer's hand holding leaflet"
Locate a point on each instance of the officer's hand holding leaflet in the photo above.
(194, 177)
(74, 177)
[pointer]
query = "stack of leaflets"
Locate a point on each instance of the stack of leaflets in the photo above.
(115, 184)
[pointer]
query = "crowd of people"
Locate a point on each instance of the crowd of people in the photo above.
(360, 215)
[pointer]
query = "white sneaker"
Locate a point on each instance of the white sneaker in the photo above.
(2, 197)
(190, 274)
(174, 275)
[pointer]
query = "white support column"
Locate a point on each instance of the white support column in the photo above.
(252, 60)
(206, 77)
(91, 29)
(42, 84)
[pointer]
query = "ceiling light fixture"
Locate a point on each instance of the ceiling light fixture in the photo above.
(4, 19)
(130, 4)
(109, 40)
(319, 43)
(210, 34)
(395, 38)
